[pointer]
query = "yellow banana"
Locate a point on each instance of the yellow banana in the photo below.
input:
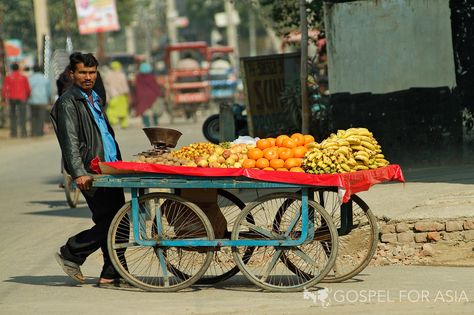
(345, 167)
(368, 145)
(364, 153)
(353, 140)
(364, 132)
(365, 138)
(351, 162)
(362, 158)
(312, 145)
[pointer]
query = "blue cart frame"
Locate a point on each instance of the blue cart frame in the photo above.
(137, 183)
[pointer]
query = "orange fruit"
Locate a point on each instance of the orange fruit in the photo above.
(285, 153)
(268, 169)
(299, 152)
(270, 153)
(289, 143)
(293, 162)
(277, 163)
(262, 163)
(308, 139)
(248, 163)
(254, 153)
(296, 169)
(272, 141)
(279, 140)
(298, 138)
(262, 144)
(282, 169)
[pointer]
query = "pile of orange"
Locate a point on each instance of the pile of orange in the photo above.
(283, 153)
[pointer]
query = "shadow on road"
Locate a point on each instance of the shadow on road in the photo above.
(82, 211)
(454, 174)
(55, 281)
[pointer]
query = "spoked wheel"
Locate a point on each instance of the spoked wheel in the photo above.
(71, 190)
(268, 265)
(222, 266)
(357, 230)
(159, 268)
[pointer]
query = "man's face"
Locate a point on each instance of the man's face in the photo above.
(84, 77)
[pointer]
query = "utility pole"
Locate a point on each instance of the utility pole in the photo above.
(232, 39)
(171, 15)
(42, 26)
(305, 113)
(252, 33)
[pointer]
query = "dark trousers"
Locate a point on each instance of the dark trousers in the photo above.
(38, 113)
(104, 203)
(17, 116)
(2, 116)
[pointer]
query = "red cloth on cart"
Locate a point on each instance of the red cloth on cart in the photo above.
(351, 183)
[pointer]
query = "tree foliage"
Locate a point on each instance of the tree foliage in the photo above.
(16, 22)
(285, 14)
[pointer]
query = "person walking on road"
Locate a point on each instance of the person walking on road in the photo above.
(16, 91)
(83, 133)
(118, 92)
(39, 100)
(149, 96)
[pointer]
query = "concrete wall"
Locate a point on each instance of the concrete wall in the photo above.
(381, 46)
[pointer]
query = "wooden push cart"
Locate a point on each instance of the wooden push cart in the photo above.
(281, 241)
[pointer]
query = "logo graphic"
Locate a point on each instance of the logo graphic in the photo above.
(318, 297)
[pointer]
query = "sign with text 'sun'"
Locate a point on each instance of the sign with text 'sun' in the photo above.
(96, 16)
(271, 87)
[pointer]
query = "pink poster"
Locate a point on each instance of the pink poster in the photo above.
(96, 16)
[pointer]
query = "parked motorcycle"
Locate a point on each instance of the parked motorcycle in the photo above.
(210, 127)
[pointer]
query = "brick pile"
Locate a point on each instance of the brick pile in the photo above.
(410, 242)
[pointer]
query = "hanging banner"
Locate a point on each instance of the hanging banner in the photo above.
(96, 16)
(13, 50)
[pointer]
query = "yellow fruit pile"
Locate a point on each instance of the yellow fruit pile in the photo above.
(195, 150)
(349, 150)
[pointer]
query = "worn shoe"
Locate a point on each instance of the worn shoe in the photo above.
(72, 269)
(115, 283)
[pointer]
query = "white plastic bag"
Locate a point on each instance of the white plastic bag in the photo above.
(246, 140)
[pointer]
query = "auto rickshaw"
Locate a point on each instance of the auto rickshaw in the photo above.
(187, 85)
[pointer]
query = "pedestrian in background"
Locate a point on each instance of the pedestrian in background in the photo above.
(39, 100)
(118, 92)
(16, 91)
(84, 132)
(149, 96)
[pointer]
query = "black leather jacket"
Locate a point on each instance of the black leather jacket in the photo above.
(77, 132)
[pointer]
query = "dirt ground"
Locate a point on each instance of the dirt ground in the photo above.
(452, 254)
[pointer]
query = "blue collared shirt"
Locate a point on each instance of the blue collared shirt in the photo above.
(110, 150)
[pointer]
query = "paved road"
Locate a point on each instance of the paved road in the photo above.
(36, 221)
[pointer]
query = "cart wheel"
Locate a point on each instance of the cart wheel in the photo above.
(71, 190)
(357, 241)
(154, 268)
(223, 266)
(267, 267)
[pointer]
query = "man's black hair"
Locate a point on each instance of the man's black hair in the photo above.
(87, 59)
(37, 68)
(14, 66)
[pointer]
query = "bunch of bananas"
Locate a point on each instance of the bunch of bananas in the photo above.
(194, 150)
(348, 150)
